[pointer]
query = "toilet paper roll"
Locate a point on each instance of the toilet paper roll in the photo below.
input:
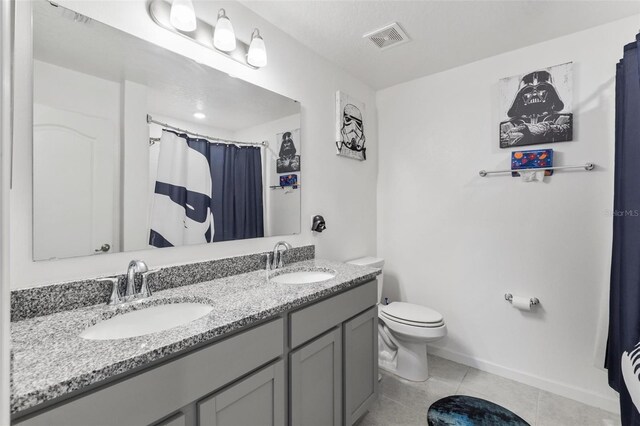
(522, 303)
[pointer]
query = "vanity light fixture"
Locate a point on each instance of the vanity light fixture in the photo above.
(221, 38)
(257, 51)
(183, 16)
(224, 38)
(199, 115)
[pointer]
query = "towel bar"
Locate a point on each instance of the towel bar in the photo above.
(587, 167)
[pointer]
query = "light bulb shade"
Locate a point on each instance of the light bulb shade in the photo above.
(183, 16)
(257, 55)
(224, 38)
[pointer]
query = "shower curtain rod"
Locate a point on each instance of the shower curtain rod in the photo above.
(169, 126)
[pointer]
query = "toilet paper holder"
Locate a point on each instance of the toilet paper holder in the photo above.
(532, 302)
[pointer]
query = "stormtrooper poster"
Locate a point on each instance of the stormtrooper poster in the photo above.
(536, 107)
(350, 136)
(288, 151)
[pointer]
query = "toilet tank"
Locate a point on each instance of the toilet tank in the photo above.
(373, 262)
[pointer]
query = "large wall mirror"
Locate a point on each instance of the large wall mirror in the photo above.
(136, 147)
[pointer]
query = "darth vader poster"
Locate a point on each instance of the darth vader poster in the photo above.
(288, 151)
(536, 107)
(350, 132)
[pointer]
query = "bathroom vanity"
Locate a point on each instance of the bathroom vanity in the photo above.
(266, 349)
(293, 354)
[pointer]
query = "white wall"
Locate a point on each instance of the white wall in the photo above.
(281, 207)
(135, 167)
(6, 27)
(456, 242)
(335, 187)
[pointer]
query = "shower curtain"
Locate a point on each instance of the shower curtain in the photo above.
(237, 192)
(181, 206)
(623, 345)
(205, 192)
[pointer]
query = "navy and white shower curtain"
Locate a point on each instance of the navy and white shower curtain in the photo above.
(623, 345)
(205, 192)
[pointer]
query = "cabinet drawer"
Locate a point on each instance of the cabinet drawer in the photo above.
(309, 322)
(143, 398)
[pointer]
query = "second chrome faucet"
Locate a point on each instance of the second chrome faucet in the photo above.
(275, 259)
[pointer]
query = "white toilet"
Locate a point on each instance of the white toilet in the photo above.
(404, 330)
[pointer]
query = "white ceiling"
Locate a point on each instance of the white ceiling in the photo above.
(177, 86)
(444, 34)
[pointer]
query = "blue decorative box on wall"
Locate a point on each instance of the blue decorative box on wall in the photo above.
(534, 159)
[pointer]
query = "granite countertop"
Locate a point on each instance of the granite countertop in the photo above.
(49, 359)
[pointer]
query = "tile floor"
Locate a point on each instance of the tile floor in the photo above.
(405, 403)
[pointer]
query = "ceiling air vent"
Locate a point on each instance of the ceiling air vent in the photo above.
(388, 36)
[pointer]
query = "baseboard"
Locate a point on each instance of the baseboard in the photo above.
(562, 389)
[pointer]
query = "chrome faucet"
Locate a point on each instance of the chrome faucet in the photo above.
(277, 260)
(136, 266)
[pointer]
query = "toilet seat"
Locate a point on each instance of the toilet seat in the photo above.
(411, 323)
(412, 315)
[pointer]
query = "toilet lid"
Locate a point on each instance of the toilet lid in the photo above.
(373, 262)
(409, 313)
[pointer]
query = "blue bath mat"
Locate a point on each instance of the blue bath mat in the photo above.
(462, 410)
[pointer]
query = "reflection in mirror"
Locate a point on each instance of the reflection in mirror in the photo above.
(137, 147)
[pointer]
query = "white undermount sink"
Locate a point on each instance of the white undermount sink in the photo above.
(303, 277)
(146, 321)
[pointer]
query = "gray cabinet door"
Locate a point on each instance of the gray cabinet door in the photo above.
(255, 401)
(316, 381)
(360, 364)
